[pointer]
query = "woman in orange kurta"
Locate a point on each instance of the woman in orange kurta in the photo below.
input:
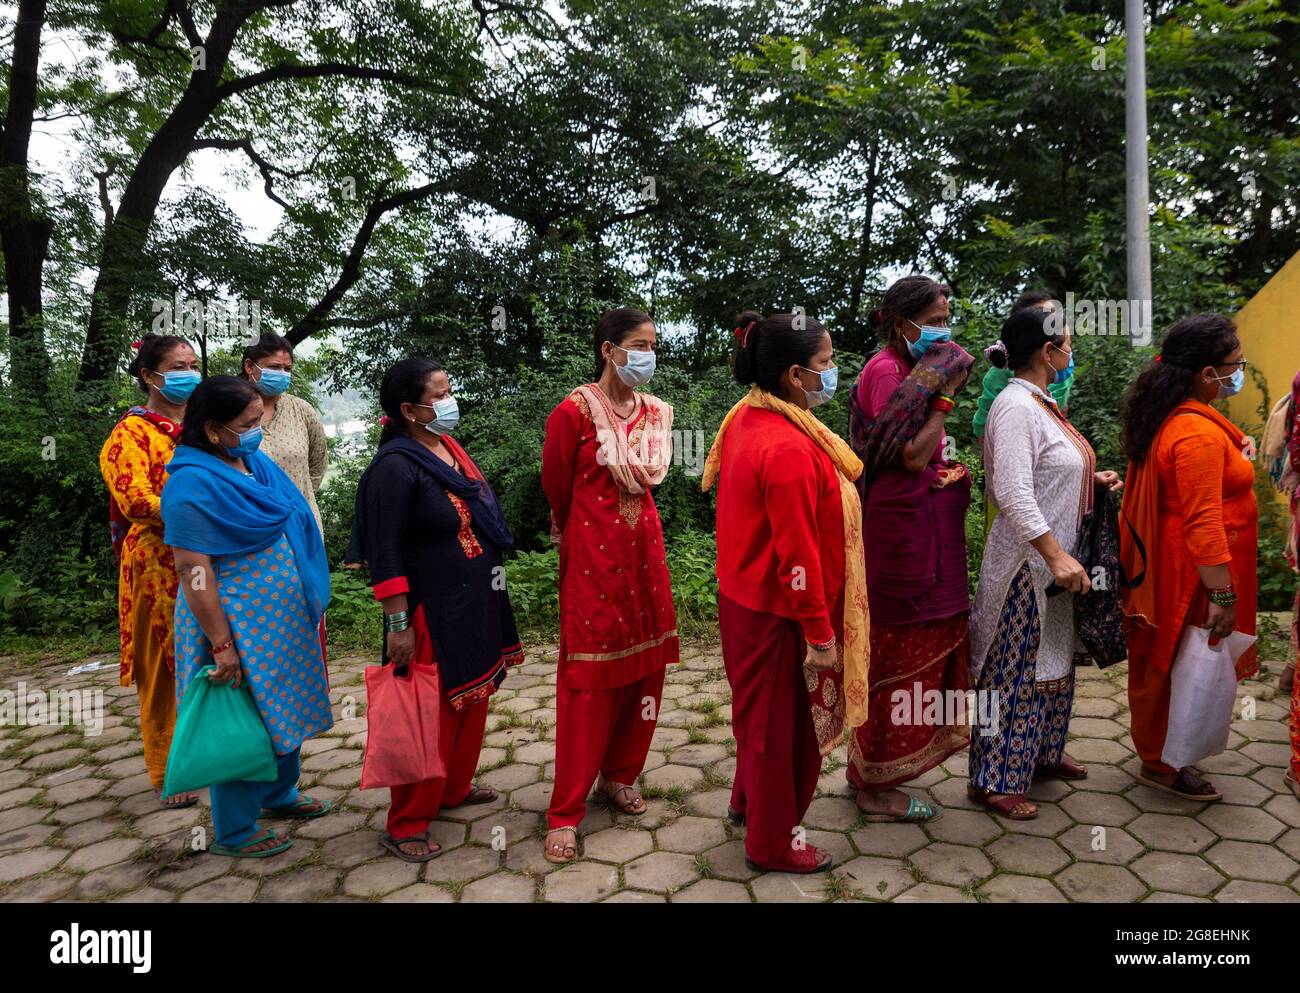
(133, 463)
(606, 447)
(1189, 538)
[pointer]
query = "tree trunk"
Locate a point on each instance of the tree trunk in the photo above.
(25, 237)
(122, 254)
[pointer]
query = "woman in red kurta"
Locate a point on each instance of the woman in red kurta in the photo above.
(606, 447)
(1188, 541)
(792, 605)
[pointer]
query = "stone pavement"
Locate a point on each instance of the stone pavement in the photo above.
(78, 820)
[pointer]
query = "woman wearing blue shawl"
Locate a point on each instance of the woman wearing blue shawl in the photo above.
(255, 584)
(430, 530)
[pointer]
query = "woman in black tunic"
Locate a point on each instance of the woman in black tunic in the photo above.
(430, 530)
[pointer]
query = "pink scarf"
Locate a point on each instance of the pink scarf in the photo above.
(637, 459)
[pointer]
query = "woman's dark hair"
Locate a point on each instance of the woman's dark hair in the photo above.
(217, 398)
(1191, 345)
(1032, 298)
(615, 326)
(404, 382)
(1024, 333)
(153, 349)
(906, 298)
(267, 344)
(772, 346)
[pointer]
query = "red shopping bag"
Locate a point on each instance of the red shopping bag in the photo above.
(402, 722)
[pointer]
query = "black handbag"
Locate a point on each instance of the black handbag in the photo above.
(1099, 614)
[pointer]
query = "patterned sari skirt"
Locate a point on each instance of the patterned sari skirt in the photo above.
(912, 660)
(1033, 718)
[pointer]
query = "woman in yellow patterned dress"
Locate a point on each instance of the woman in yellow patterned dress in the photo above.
(133, 463)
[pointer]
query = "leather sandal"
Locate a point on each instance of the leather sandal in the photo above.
(1004, 804)
(560, 854)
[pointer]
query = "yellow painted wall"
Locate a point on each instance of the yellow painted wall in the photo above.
(1269, 326)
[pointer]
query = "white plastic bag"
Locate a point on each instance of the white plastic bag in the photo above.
(1202, 691)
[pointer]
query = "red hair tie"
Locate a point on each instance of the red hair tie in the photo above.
(1157, 358)
(742, 334)
(384, 421)
(135, 345)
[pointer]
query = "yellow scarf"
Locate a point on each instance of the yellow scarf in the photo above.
(854, 649)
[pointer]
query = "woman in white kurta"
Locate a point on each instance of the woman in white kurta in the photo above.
(1039, 473)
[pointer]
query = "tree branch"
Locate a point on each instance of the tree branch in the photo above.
(266, 168)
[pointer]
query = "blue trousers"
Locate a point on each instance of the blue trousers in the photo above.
(236, 806)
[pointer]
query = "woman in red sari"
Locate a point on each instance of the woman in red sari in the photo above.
(606, 447)
(792, 599)
(1189, 536)
(913, 519)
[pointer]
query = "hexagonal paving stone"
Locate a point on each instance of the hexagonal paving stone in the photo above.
(661, 872)
(934, 893)
(303, 885)
(617, 844)
(501, 887)
(462, 864)
(964, 827)
(1243, 891)
(1241, 823)
(104, 853)
(709, 803)
(713, 891)
(581, 882)
(29, 863)
(420, 893)
(227, 889)
(1159, 897)
(1010, 888)
(890, 838)
(1099, 808)
(1027, 854)
(1177, 873)
(378, 878)
(1091, 883)
(953, 865)
(691, 834)
(510, 777)
(1245, 860)
(698, 755)
(1100, 844)
(876, 878)
(636, 896)
(670, 777)
(1170, 832)
(784, 887)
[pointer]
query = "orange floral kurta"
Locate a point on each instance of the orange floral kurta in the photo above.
(133, 463)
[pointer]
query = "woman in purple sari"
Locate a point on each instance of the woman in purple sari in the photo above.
(913, 508)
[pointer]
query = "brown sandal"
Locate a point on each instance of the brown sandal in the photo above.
(1067, 768)
(560, 854)
(477, 794)
(1186, 785)
(1003, 803)
(394, 845)
(628, 807)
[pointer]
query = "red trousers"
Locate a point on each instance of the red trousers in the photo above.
(600, 731)
(460, 739)
(777, 758)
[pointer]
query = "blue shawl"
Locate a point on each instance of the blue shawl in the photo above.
(211, 507)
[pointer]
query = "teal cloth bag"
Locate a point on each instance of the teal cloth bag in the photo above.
(219, 738)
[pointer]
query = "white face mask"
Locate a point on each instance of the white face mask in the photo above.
(640, 367)
(446, 415)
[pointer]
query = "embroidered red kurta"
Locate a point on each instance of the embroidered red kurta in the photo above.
(780, 524)
(617, 620)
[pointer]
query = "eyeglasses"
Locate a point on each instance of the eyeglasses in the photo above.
(1224, 365)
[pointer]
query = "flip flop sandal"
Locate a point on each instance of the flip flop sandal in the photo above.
(476, 795)
(622, 808)
(736, 817)
(394, 846)
(299, 811)
(1171, 788)
(560, 859)
(918, 811)
(240, 851)
(162, 801)
(1004, 805)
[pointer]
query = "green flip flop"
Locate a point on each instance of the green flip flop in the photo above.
(918, 811)
(298, 811)
(240, 851)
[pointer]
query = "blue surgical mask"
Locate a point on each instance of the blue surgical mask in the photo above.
(272, 382)
(179, 384)
(446, 415)
(1066, 374)
(1231, 385)
(929, 335)
(830, 379)
(248, 441)
(640, 367)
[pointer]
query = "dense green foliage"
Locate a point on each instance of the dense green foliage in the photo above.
(478, 181)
